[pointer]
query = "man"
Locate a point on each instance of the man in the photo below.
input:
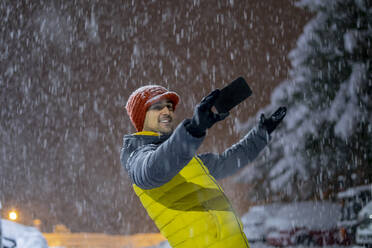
(177, 187)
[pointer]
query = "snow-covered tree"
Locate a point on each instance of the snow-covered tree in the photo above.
(325, 141)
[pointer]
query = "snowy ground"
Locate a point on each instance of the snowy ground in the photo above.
(256, 222)
(257, 245)
(22, 236)
(29, 237)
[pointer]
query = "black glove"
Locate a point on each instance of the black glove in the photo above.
(204, 117)
(271, 123)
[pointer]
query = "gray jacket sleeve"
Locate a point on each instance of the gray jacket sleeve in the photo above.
(151, 166)
(238, 155)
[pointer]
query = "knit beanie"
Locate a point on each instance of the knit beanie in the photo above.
(141, 99)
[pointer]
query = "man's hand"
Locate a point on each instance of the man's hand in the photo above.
(271, 123)
(204, 117)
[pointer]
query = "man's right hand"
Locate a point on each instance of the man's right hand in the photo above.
(204, 117)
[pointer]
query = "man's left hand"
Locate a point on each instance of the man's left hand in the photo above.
(273, 121)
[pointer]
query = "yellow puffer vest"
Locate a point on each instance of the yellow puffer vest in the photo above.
(192, 211)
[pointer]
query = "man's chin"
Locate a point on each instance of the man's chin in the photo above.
(166, 131)
(165, 128)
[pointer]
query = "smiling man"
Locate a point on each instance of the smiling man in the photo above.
(177, 186)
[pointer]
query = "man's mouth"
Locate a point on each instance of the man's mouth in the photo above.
(165, 121)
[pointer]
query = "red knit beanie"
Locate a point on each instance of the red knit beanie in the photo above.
(141, 99)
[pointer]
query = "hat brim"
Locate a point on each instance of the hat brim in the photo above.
(170, 95)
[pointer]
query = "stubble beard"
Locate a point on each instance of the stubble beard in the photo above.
(166, 130)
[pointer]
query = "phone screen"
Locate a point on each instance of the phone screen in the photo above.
(233, 94)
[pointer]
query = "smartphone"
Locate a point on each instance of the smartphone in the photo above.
(233, 94)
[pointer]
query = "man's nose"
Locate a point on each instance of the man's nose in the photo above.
(165, 110)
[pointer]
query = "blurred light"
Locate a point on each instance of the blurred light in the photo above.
(370, 216)
(13, 215)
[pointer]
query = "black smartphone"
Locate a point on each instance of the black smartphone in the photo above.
(231, 95)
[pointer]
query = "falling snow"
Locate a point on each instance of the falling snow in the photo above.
(68, 68)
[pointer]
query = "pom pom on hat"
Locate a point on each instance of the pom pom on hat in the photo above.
(142, 98)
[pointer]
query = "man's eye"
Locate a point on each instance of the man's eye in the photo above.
(157, 107)
(170, 107)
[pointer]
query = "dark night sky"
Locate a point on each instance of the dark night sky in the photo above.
(68, 67)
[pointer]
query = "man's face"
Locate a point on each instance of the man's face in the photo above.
(159, 117)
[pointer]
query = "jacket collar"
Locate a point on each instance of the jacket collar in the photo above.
(132, 141)
(149, 133)
(144, 138)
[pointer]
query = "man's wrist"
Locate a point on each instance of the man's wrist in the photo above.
(193, 129)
